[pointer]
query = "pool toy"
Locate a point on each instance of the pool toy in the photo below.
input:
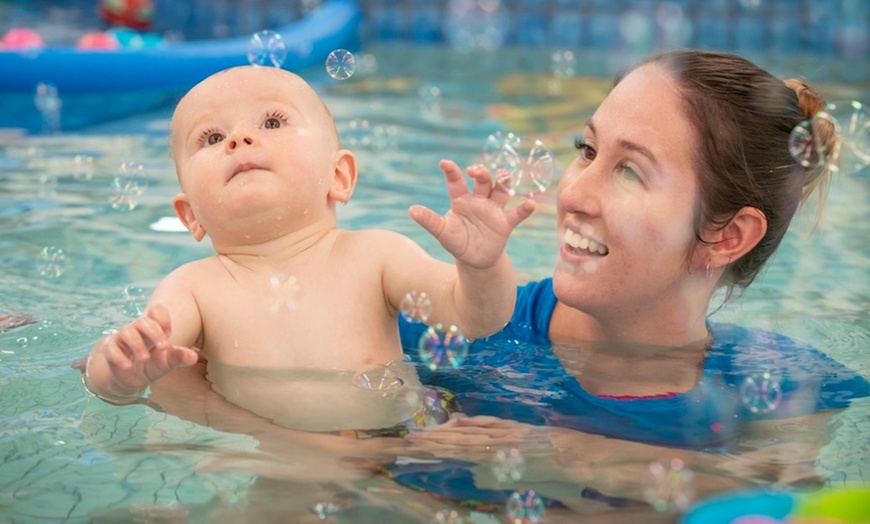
(135, 14)
(22, 38)
(97, 85)
(768, 506)
(97, 40)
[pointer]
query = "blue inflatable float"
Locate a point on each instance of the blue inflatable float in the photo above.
(100, 85)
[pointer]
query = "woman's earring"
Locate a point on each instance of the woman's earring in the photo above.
(709, 270)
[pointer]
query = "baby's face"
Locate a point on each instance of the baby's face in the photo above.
(254, 147)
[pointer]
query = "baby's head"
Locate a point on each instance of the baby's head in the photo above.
(255, 147)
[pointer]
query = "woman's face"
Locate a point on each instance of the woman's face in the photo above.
(626, 204)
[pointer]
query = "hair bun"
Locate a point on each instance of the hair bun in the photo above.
(822, 154)
(809, 101)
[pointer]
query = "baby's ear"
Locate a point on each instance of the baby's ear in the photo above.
(344, 177)
(185, 213)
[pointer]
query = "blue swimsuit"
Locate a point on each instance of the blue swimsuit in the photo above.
(515, 375)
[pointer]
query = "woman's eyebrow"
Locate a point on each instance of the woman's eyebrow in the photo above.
(629, 145)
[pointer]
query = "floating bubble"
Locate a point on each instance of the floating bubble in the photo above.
(508, 465)
(429, 101)
(525, 507)
(750, 4)
(340, 64)
(800, 144)
(416, 307)
(325, 510)
(51, 262)
(448, 516)
(48, 103)
(267, 47)
(128, 186)
(135, 300)
(562, 64)
(83, 167)
(669, 484)
(430, 407)
(283, 291)
(358, 135)
(378, 378)
(442, 349)
(520, 174)
(853, 125)
(476, 25)
(366, 64)
(761, 393)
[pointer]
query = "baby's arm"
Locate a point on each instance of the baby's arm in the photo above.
(478, 294)
(121, 365)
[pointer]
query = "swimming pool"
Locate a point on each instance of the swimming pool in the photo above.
(84, 237)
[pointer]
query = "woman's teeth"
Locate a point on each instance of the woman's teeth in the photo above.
(577, 241)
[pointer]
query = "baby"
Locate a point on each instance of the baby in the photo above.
(261, 170)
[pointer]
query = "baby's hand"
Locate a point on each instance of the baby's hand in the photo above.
(123, 364)
(476, 228)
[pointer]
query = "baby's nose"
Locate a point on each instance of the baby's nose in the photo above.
(235, 142)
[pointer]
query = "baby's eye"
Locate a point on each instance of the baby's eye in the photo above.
(272, 123)
(587, 152)
(274, 120)
(210, 137)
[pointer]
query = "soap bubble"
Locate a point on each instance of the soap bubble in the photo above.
(48, 103)
(562, 64)
(83, 167)
(51, 262)
(378, 378)
(135, 300)
(340, 64)
(429, 101)
(669, 484)
(416, 307)
(761, 393)
(853, 125)
(524, 174)
(508, 465)
(267, 47)
(283, 290)
(800, 144)
(128, 186)
(525, 507)
(447, 516)
(442, 349)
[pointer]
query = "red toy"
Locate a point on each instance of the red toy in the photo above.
(135, 14)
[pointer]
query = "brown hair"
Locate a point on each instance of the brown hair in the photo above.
(744, 118)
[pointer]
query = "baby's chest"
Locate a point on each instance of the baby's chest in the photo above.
(285, 325)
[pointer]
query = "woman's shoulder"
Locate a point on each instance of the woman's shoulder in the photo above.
(754, 361)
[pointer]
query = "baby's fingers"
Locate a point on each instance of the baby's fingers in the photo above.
(523, 211)
(483, 183)
(456, 186)
(428, 219)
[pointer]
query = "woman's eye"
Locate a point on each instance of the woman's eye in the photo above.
(586, 151)
(628, 172)
(272, 123)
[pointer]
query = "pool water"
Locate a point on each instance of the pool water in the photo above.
(86, 231)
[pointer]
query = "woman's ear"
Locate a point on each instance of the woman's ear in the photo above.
(185, 214)
(344, 177)
(743, 232)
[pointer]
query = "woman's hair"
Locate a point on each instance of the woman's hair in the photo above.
(744, 118)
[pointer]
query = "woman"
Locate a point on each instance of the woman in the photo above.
(684, 183)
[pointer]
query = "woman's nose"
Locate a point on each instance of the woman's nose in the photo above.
(580, 190)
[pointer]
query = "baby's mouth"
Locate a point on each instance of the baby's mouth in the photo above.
(241, 168)
(578, 242)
